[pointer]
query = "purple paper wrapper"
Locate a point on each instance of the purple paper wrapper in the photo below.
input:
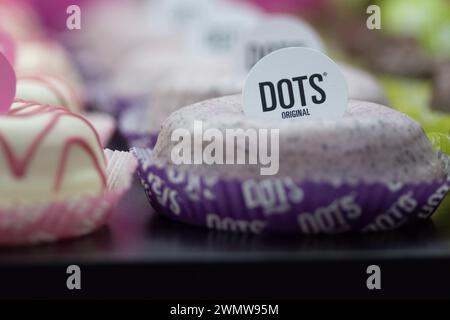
(283, 205)
(98, 95)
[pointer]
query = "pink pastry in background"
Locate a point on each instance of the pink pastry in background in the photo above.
(19, 20)
(53, 13)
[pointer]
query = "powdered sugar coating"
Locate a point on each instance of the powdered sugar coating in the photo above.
(371, 143)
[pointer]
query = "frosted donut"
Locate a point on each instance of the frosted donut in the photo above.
(47, 154)
(371, 143)
(48, 90)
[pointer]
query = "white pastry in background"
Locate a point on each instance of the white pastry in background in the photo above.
(46, 57)
(187, 87)
(363, 86)
(116, 28)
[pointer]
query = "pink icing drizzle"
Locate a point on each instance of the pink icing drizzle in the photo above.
(19, 167)
(59, 95)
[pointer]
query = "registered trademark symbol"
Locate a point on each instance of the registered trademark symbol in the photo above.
(325, 74)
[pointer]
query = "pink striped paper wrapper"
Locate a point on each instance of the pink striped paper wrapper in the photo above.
(35, 223)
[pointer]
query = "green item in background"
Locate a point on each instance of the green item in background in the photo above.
(437, 39)
(412, 97)
(441, 142)
(426, 20)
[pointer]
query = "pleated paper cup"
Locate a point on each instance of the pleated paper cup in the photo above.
(33, 223)
(282, 205)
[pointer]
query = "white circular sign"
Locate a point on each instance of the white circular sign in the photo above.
(295, 83)
(178, 14)
(274, 33)
(221, 30)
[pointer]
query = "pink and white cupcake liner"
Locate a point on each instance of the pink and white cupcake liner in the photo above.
(34, 223)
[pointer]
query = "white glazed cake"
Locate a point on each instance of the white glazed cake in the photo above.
(48, 90)
(371, 143)
(47, 154)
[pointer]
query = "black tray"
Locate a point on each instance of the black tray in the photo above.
(140, 254)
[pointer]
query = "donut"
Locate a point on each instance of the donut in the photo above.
(48, 90)
(47, 154)
(370, 143)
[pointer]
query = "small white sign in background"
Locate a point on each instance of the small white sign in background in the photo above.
(273, 33)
